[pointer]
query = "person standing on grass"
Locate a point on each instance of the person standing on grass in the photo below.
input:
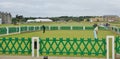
(43, 27)
(95, 30)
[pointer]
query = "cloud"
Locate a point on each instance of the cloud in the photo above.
(61, 7)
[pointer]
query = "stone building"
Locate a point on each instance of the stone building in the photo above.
(6, 18)
(97, 19)
(111, 18)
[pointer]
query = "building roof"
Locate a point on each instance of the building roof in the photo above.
(43, 20)
(39, 20)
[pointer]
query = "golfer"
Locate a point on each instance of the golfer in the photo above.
(43, 27)
(95, 30)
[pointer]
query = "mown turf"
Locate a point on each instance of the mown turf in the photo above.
(63, 34)
(52, 24)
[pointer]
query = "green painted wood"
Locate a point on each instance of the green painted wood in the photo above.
(117, 43)
(3, 30)
(15, 46)
(73, 46)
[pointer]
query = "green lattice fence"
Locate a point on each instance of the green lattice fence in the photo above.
(13, 29)
(101, 28)
(77, 28)
(80, 47)
(53, 27)
(117, 43)
(89, 28)
(23, 29)
(36, 27)
(65, 28)
(3, 30)
(31, 28)
(15, 46)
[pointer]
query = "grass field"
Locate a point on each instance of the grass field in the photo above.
(52, 24)
(61, 33)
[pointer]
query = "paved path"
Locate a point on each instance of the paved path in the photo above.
(41, 57)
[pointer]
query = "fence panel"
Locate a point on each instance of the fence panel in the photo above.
(31, 28)
(23, 29)
(3, 30)
(117, 43)
(89, 28)
(13, 29)
(65, 28)
(75, 46)
(15, 46)
(101, 28)
(77, 28)
(53, 27)
(36, 27)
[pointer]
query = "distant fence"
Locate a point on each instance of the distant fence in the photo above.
(14, 30)
(115, 29)
(68, 46)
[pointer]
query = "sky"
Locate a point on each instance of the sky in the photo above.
(53, 8)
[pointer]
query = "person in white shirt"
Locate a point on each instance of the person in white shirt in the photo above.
(95, 31)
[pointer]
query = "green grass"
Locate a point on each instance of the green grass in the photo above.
(63, 34)
(52, 24)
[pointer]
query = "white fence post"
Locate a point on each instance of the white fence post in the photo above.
(19, 29)
(34, 28)
(83, 27)
(113, 46)
(71, 27)
(58, 27)
(27, 28)
(33, 40)
(49, 27)
(39, 27)
(7, 30)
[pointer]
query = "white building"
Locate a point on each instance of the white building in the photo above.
(43, 20)
(30, 20)
(39, 20)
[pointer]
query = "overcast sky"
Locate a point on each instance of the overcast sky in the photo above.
(48, 8)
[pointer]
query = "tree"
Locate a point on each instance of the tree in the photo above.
(19, 18)
(88, 20)
(14, 21)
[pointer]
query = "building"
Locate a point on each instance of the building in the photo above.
(6, 18)
(43, 20)
(96, 19)
(39, 20)
(111, 18)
